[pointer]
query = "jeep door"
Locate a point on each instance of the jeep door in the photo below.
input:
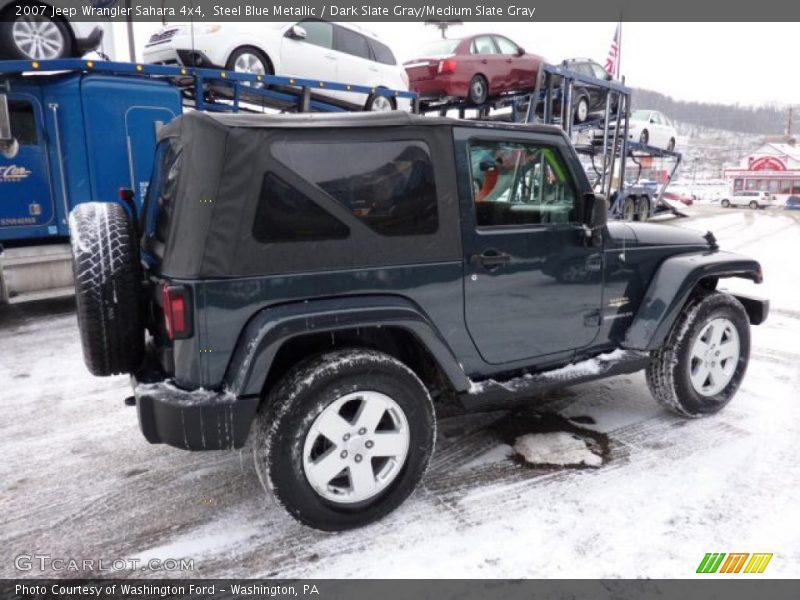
(532, 285)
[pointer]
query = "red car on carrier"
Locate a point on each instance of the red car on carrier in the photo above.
(475, 68)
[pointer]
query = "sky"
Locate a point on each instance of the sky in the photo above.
(744, 63)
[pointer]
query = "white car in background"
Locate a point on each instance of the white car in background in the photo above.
(29, 32)
(312, 49)
(753, 199)
(651, 128)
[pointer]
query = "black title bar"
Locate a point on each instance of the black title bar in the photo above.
(418, 10)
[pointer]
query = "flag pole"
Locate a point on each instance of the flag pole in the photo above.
(619, 47)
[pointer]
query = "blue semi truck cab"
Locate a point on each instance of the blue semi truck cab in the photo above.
(74, 137)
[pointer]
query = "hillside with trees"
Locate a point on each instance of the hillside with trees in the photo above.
(759, 120)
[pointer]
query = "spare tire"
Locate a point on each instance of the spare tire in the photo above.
(108, 292)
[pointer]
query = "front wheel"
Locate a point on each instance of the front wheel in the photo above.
(344, 438)
(644, 137)
(703, 360)
(725, 203)
(671, 145)
(753, 205)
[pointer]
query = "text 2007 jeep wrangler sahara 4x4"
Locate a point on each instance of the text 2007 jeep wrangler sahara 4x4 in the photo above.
(315, 283)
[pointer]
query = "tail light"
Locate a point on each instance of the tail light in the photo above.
(447, 66)
(177, 311)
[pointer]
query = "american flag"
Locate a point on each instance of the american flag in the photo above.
(612, 61)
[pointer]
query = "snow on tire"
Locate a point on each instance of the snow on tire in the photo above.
(107, 274)
(344, 438)
(702, 362)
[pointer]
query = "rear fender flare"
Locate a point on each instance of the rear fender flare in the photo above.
(271, 327)
(670, 288)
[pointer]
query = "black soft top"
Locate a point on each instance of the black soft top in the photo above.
(396, 118)
(223, 159)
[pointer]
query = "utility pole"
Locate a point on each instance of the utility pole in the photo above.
(131, 43)
(789, 123)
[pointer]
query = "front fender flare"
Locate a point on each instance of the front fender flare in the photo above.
(670, 288)
(268, 329)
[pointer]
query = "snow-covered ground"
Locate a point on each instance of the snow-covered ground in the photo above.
(647, 496)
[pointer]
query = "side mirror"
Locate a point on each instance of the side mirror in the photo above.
(296, 32)
(8, 145)
(595, 216)
(520, 51)
(609, 77)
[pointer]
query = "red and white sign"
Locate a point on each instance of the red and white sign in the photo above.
(767, 163)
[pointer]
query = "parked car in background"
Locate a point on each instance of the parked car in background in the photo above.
(685, 199)
(474, 68)
(792, 203)
(30, 33)
(652, 128)
(310, 49)
(586, 98)
(751, 199)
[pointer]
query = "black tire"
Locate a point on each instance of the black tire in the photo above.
(629, 208)
(644, 137)
(301, 396)
(725, 203)
(753, 205)
(370, 104)
(478, 90)
(581, 110)
(107, 274)
(8, 46)
(669, 372)
(671, 145)
(642, 208)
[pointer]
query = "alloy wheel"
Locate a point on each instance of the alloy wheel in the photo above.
(38, 38)
(356, 447)
(714, 356)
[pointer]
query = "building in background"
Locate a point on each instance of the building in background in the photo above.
(773, 168)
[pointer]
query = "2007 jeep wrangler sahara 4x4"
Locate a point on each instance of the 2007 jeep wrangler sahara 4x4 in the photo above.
(315, 283)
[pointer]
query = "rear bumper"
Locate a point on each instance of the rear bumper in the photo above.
(196, 420)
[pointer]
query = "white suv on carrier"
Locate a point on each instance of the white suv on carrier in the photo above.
(311, 49)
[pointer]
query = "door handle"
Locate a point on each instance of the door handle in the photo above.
(491, 260)
(330, 56)
(484, 61)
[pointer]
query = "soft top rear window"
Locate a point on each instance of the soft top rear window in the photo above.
(160, 200)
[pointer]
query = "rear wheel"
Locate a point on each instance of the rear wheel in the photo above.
(29, 37)
(671, 145)
(478, 90)
(378, 103)
(250, 60)
(344, 438)
(629, 208)
(642, 208)
(107, 274)
(644, 137)
(703, 360)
